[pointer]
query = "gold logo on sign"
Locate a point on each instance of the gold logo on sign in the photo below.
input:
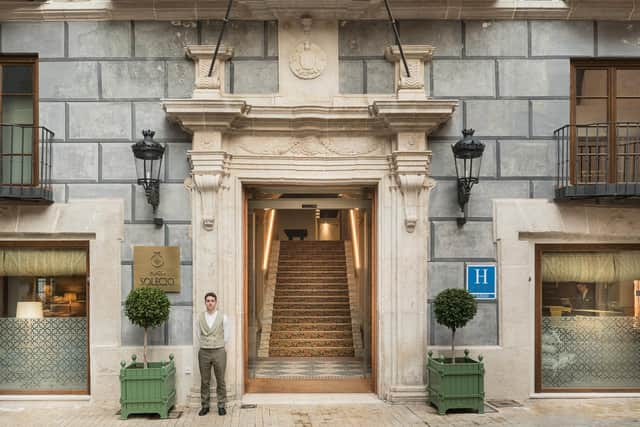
(156, 260)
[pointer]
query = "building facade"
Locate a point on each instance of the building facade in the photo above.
(314, 104)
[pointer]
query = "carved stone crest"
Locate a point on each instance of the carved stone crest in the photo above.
(308, 61)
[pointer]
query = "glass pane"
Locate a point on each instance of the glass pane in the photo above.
(591, 111)
(294, 256)
(17, 79)
(591, 82)
(627, 82)
(628, 110)
(592, 148)
(16, 170)
(17, 110)
(590, 312)
(17, 140)
(43, 334)
(628, 152)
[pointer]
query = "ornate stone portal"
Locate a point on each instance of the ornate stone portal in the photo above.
(319, 141)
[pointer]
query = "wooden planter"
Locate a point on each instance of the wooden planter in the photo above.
(456, 386)
(147, 391)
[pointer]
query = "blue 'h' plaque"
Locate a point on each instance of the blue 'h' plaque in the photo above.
(481, 281)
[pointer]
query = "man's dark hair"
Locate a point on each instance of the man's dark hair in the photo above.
(210, 294)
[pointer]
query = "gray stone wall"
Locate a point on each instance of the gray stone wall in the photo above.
(100, 85)
(512, 82)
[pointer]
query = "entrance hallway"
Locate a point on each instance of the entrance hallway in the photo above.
(309, 291)
(277, 410)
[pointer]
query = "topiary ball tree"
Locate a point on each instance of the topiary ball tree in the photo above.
(453, 309)
(148, 308)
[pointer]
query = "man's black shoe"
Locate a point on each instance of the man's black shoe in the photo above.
(222, 411)
(203, 411)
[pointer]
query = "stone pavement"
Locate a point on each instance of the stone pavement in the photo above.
(547, 413)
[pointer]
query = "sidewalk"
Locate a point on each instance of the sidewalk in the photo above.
(546, 413)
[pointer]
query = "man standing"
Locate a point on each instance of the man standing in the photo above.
(213, 333)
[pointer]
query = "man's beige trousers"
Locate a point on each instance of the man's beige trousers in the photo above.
(216, 357)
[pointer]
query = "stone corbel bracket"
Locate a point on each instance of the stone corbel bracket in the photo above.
(209, 169)
(413, 115)
(409, 87)
(411, 172)
(202, 55)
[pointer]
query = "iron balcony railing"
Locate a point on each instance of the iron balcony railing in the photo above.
(598, 160)
(25, 162)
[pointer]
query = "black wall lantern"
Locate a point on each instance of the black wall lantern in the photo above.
(148, 156)
(467, 154)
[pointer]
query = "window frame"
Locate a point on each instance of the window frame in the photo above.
(32, 60)
(540, 249)
(60, 244)
(611, 65)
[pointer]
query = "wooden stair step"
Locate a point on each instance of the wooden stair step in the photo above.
(311, 334)
(311, 319)
(312, 342)
(299, 327)
(312, 305)
(311, 293)
(278, 312)
(311, 352)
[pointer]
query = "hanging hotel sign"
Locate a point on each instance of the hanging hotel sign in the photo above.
(157, 266)
(481, 280)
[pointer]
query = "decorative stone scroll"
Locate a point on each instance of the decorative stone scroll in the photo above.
(411, 172)
(208, 170)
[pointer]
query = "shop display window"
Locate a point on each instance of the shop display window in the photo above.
(44, 320)
(588, 319)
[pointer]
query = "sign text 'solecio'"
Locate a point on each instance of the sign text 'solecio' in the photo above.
(157, 266)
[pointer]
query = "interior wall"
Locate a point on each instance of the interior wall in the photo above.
(297, 219)
(19, 288)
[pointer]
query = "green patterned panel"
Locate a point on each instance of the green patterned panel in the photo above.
(44, 354)
(590, 352)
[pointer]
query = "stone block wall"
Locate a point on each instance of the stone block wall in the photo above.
(100, 85)
(512, 82)
(101, 82)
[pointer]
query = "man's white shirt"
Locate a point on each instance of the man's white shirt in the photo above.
(210, 318)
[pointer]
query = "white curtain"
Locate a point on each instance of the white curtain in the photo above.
(42, 262)
(589, 267)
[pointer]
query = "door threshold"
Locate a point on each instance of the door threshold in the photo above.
(282, 385)
(45, 397)
(310, 398)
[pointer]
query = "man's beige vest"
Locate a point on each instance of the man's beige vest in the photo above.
(211, 337)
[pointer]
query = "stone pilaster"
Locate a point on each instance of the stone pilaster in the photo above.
(403, 294)
(210, 188)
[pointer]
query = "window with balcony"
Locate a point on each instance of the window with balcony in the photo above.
(599, 151)
(24, 146)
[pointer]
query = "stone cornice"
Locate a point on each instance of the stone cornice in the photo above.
(382, 117)
(16, 10)
(204, 114)
(414, 115)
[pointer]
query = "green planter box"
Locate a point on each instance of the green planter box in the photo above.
(147, 391)
(456, 386)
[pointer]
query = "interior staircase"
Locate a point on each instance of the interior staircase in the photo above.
(311, 311)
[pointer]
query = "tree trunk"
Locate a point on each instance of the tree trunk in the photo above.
(453, 343)
(144, 353)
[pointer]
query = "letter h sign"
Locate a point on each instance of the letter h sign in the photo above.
(481, 281)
